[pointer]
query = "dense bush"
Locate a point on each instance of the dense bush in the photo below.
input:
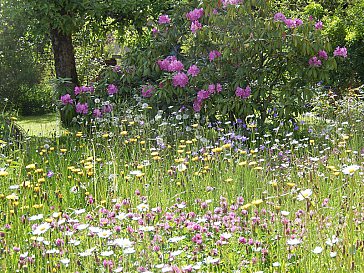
(236, 58)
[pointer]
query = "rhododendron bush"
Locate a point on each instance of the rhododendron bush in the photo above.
(239, 58)
(232, 58)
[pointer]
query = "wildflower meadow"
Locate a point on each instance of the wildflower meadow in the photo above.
(230, 154)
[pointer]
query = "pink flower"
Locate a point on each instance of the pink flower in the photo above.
(298, 22)
(180, 79)
(202, 95)
(225, 3)
(197, 104)
(211, 89)
(155, 31)
(323, 54)
(315, 62)
(214, 54)
(193, 70)
(319, 25)
(77, 90)
(66, 99)
(82, 108)
(279, 17)
(107, 108)
(175, 66)
(147, 91)
(243, 93)
(218, 87)
(341, 51)
(97, 113)
(112, 89)
(195, 14)
(239, 92)
(197, 239)
(170, 64)
(164, 19)
(195, 25)
(163, 64)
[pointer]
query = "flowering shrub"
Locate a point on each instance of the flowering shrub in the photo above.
(238, 58)
(89, 103)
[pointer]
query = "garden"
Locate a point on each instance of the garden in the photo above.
(182, 136)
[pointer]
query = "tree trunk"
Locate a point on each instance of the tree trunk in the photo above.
(65, 65)
(64, 56)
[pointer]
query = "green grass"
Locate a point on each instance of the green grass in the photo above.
(45, 126)
(202, 199)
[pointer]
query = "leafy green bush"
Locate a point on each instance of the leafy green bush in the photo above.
(249, 61)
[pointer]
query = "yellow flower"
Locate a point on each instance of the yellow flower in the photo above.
(12, 196)
(63, 150)
(30, 167)
(217, 150)
(3, 173)
(246, 206)
(226, 146)
(41, 180)
(243, 163)
(124, 133)
(257, 202)
(228, 180)
(291, 185)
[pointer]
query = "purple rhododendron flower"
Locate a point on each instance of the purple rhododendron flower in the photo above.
(97, 113)
(77, 90)
(83, 89)
(319, 25)
(279, 17)
(323, 54)
(341, 51)
(195, 14)
(243, 93)
(147, 91)
(164, 19)
(155, 31)
(170, 64)
(225, 3)
(203, 95)
(112, 89)
(193, 70)
(315, 62)
(214, 54)
(218, 87)
(107, 108)
(197, 105)
(82, 108)
(298, 22)
(175, 66)
(211, 89)
(195, 25)
(289, 23)
(180, 79)
(66, 99)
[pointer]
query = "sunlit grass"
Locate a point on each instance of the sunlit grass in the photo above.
(145, 197)
(45, 126)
